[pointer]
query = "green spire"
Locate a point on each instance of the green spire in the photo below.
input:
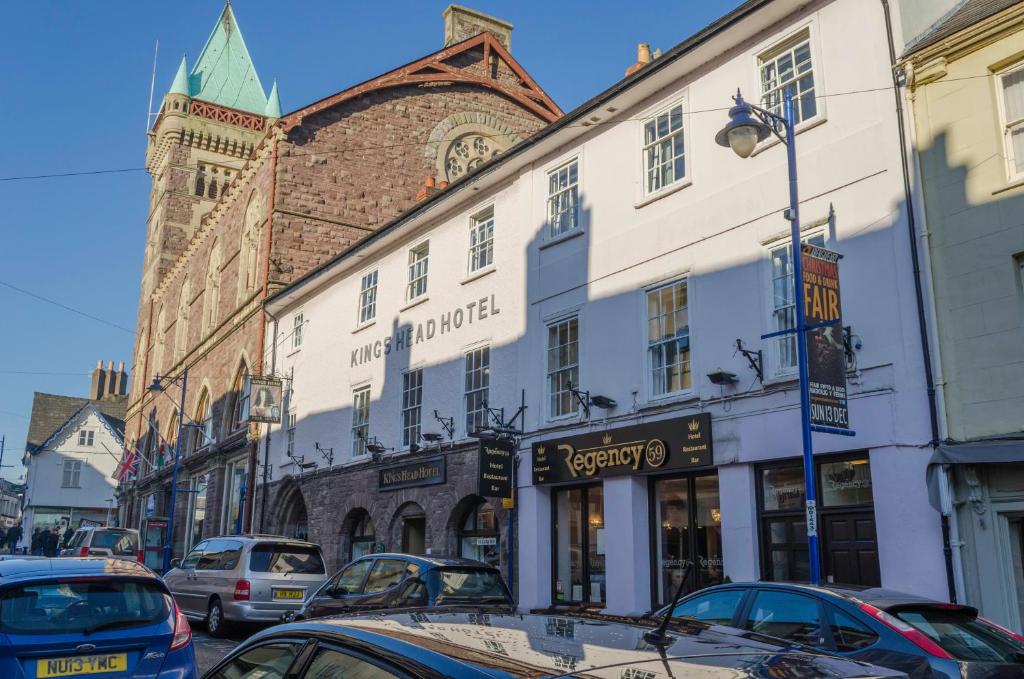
(273, 109)
(224, 73)
(180, 84)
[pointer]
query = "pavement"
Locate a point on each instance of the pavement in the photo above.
(210, 651)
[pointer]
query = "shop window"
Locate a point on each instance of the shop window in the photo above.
(579, 546)
(688, 527)
(361, 542)
(234, 488)
(479, 538)
(196, 510)
(847, 482)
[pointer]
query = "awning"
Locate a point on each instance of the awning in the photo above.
(978, 452)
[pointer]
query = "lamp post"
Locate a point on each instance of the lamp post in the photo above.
(158, 385)
(748, 125)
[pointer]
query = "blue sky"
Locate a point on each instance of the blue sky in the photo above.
(75, 88)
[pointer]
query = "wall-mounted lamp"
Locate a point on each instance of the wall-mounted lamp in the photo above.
(431, 436)
(326, 453)
(603, 402)
(754, 358)
(448, 423)
(722, 377)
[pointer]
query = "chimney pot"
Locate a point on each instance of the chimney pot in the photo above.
(643, 57)
(443, 185)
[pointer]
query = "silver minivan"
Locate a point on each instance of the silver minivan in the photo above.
(116, 543)
(245, 578)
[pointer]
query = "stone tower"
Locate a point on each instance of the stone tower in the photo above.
(209, 123)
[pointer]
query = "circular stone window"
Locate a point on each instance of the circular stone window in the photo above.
(469, 152)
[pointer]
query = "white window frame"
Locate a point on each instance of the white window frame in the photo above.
(773, 50)
(412, 405)
(1008, 126)
(481, 240)
(289, 436)
(71, 476)
(360, 420)
(648, 358)
(368, 297)
(298, 322)
(551, 198)
(419, 268)
(86, 437)
(683, 130)
(779, 370)
(548, 373)
(474, 366)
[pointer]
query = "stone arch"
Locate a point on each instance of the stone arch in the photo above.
(408, 510)
(292, 519)
(236, 390)
(357, 535)
(467, 129)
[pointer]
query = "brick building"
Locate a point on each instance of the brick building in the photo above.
(245, 200)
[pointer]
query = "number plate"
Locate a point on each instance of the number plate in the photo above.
(81, 665)
(287, 593)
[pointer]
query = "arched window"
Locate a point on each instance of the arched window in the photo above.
(211, 294)
(203, 434)
(248, 256)
(181, 323)
(201, 181)
(167, 453)
(363, 537)
(148, 462)
(240, 398)
(213, 188)
(479, 537)
(159, 343)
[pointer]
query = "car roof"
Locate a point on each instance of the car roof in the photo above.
(262, 537)
(471, 643)
(879, 597)
(113, 529)
(19, 570)
(430, 560)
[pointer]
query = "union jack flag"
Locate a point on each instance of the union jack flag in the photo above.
(129, 465)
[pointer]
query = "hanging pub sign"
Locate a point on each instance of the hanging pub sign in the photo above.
(826, 354)
(679, 443)
(263, 400)
(497, 464)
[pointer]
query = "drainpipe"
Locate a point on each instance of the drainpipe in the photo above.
(925, 318)
(266, 445)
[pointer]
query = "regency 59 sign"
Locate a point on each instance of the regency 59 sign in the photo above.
(678, 443)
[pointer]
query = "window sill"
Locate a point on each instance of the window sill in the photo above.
(477, 275)
(1009, 186)
(293, 352)
(575, 233)
(364, 326)
(672, 397)
(662, 193)
(415, 303)
(773, 141)
(782, 378)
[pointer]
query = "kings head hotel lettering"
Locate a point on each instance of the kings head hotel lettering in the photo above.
(678, 443)
(409, 334)
(427, 472)
(826, 353)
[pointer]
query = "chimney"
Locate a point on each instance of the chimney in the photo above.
(99, 382)
(462, 23)
(428, 189)
(122, 381)
(643, 57)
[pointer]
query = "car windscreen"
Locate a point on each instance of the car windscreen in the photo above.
(963, 636)
(81, 605)
(274, 558)
(118, 542)
(460, 585)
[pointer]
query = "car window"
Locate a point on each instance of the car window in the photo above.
(285, 558)
(331, 664)
(789, 616)
(849, 634)
(963, 636)
(714, 607)
(76, 539)
(118, 542)
(350, 580)
(467, 584)
(63, 606)
(229, 557)
(263, 662)
(193, 557)
(210, 560)
(385, 574)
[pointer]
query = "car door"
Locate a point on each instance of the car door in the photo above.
(382, 583)
(264, 661)
(718, 607)
(336, 595)
(180, 581)
(207, 575)
(789, 615)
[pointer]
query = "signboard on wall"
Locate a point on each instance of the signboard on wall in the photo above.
(497, 462)
(263, 399)
(427, 472)
(679, 443)
(826, 354)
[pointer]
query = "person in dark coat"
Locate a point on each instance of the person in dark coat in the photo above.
(68, 534)
(13, 535)
(36, 541)
(52, 541)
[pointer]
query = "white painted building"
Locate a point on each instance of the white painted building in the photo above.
(633, 281)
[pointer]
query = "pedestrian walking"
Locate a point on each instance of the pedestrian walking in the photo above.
(68, 534)
(13, 536)
(52, 541)
(37, 536)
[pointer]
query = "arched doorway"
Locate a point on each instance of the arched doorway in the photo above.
(294, 521)
(479, 536)
(360, 532)
(411, 522)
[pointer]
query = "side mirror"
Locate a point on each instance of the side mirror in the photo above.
(175, 563)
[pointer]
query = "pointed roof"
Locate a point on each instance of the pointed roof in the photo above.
(114, 424)
(224, 73)
(273, 109)
(180, 84)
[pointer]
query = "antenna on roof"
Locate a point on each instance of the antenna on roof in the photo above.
(152, 84)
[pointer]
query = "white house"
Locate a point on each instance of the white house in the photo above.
(608, 265)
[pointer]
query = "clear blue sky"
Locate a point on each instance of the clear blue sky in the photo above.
(75, 86)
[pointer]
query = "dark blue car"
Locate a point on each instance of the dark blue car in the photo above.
(922, 637)
(90, 617)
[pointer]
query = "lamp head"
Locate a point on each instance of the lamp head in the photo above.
(744, 131)
(156, 385)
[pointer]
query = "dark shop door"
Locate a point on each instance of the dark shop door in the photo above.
(850, 546)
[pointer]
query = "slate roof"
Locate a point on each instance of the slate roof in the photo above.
(964, 15)
(51, 411)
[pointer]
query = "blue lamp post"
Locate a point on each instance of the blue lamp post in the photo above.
(749, 125)
(159, 386)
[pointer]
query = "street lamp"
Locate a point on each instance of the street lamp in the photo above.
(159, 385)
(749, 125)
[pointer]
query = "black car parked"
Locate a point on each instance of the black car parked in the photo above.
(475, 644)
(402, 580)
(922, 637)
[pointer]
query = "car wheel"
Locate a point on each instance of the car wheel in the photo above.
(215, 623)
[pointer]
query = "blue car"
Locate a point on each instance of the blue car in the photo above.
(90, 617)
